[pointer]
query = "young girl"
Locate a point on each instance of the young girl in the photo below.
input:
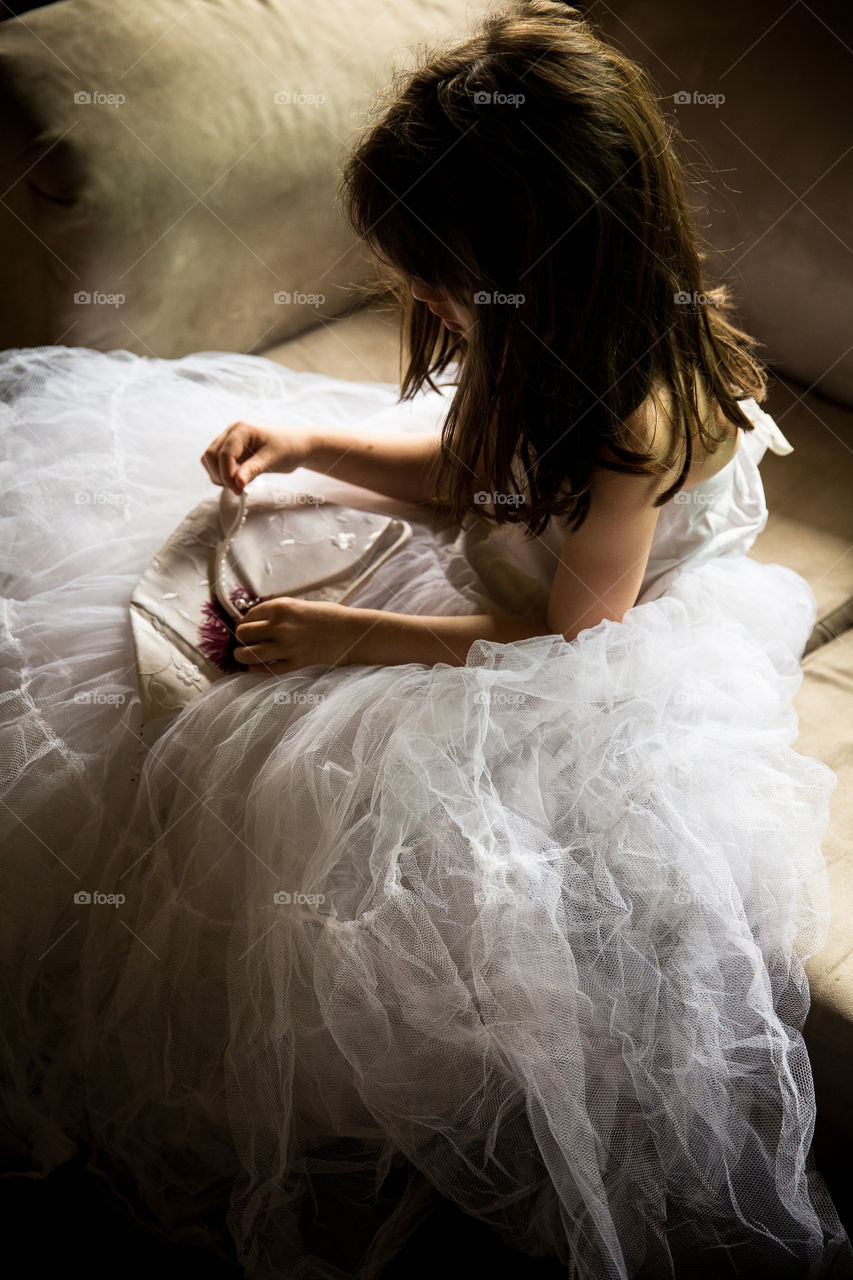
(501, 876)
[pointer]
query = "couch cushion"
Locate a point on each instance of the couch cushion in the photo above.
(810, 527)
(145, 156)
(364, 347)
(825, 707)
(771, 163)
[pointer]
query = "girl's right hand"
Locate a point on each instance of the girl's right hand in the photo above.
(246, 449)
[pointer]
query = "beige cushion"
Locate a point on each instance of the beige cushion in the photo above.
(364, 347)
(199, 197)
(772, 162)
(825, 707)
(810, 499)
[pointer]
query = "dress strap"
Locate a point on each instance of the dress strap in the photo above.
(765, 428)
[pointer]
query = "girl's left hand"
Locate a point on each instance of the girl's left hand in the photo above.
(286, 634)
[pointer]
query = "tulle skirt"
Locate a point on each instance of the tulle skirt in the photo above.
(531, 929)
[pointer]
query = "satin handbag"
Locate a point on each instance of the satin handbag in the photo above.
(227, 555)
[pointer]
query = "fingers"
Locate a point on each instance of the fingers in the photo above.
(210, 457)
(251, 632)
(223, 456)
(255, 654)
(258, 463)
(266, 630)
(263, 655)
(256, 643)
(227, 464)
(277, 608)
(264, 640)
(230, 453)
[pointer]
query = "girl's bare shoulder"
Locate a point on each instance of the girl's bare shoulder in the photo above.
(651, 428)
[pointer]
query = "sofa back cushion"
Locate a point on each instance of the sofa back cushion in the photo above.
(169, 169)
(764, 93)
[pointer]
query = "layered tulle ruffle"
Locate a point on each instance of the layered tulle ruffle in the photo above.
(534, 926)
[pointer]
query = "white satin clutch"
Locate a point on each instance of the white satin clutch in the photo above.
(225, 556)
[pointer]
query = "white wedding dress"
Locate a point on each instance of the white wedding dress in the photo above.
(548, 911)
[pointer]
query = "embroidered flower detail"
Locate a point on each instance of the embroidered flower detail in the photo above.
(188, 673)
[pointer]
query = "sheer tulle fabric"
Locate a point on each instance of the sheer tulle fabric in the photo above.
(528, 933)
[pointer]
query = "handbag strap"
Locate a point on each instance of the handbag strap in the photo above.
(221, 553)
(403, 537)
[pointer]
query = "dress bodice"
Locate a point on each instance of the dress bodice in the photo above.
(722, 515)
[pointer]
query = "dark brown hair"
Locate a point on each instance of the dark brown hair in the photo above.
(568, 200)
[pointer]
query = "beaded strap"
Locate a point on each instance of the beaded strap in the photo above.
(221, 553)
(225, 544)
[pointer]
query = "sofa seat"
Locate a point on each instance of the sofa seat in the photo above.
(810, 528)
(362, 347)
(825, 708)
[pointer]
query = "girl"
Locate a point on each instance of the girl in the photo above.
(503, 875)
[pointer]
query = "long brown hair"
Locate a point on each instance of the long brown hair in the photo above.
(533, 165)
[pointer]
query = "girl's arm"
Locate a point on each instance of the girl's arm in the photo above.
(389, 639)
(598, 576)
(394, 463)
(601, 566)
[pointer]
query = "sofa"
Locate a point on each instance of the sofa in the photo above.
(168, 176)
